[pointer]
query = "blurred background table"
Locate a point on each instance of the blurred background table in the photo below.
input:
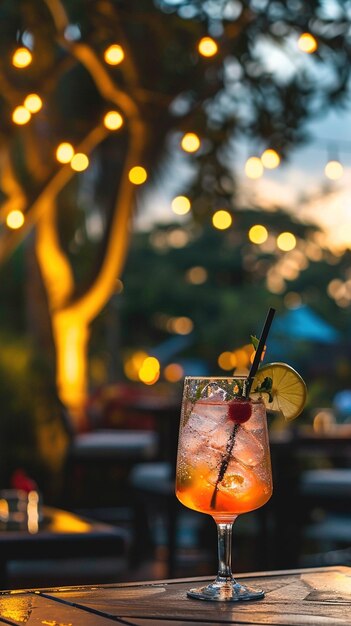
(60, 535)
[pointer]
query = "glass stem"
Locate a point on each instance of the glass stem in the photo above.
(224, 533)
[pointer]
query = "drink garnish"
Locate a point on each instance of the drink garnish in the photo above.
(287, 393)
(239, 410)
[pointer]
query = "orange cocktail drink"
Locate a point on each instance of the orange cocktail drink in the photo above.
(209, 427)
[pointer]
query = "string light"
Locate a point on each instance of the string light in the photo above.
(114, 54)
(286, 241)
(222, 219)
(190, 142)
(22, 57)
(270, 159)
(113, 120)
(137, 175)
(33, 103)
(15, 219)
(207, 47)
(334, 170)
(149, 372)
(181, 205)
(253, 167)
(307, 43)
(21, 115)
(79, 162)
(64, 152)
(258, 234)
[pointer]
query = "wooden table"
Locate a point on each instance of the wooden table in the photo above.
(316, 597)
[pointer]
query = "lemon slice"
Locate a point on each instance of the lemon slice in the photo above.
(288, 389)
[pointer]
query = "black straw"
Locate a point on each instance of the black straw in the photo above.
(246, 390)
(259, 350)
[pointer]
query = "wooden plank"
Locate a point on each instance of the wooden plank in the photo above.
(32, 609)
(317, 597)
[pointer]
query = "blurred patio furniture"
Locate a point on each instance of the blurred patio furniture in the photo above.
(57, 534)
(121, 433)
(310, 506)
(153, 486)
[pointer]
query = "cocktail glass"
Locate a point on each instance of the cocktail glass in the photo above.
(223, 467)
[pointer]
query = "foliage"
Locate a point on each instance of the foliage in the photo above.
(170, 89)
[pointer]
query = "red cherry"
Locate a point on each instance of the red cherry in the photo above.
(239, 410)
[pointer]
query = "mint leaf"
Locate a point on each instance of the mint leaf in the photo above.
(266, 387)
(254, 341)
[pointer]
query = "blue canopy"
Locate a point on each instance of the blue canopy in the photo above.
(303, 323)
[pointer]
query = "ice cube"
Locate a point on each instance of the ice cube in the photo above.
(207, 416)
(237, 479)
(247, 448)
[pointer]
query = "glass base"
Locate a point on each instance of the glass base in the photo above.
(225, 591)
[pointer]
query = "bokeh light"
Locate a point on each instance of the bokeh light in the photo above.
(207, 47)
(226, 361)
(196, 275)
(113, 120)
(286, 241)
(334, 170)
(15, 219)
(114, 54)
(33, 103)
(180, 325)
(270, 159)
(137, 175)
(64, 152)
(173, 372)
(133, 364)
(190, 142)
(22, 57)
(79, 162)
(222, 219)
(307, 43)
(258, 234)
(181, 205)
(21, 115)
(253, 167)
(149, 372)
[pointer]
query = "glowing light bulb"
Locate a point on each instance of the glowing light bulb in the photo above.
(258, 234)
(113, 120)
(181, 205)
(307, 43)
(253, 167)
(207, 47)
(190, 142)
(21, 115)
(33, 103)
(79, 162)
(22, 57)
(150, 370)
(270, 159)
(64, 152)
(222, 219)
(333, 170)
(286, 241)
(15, 219)
(114, 54)
(137, 175)
(225, 361)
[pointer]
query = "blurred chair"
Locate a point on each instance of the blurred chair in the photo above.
(108, 446)
(153, 488)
